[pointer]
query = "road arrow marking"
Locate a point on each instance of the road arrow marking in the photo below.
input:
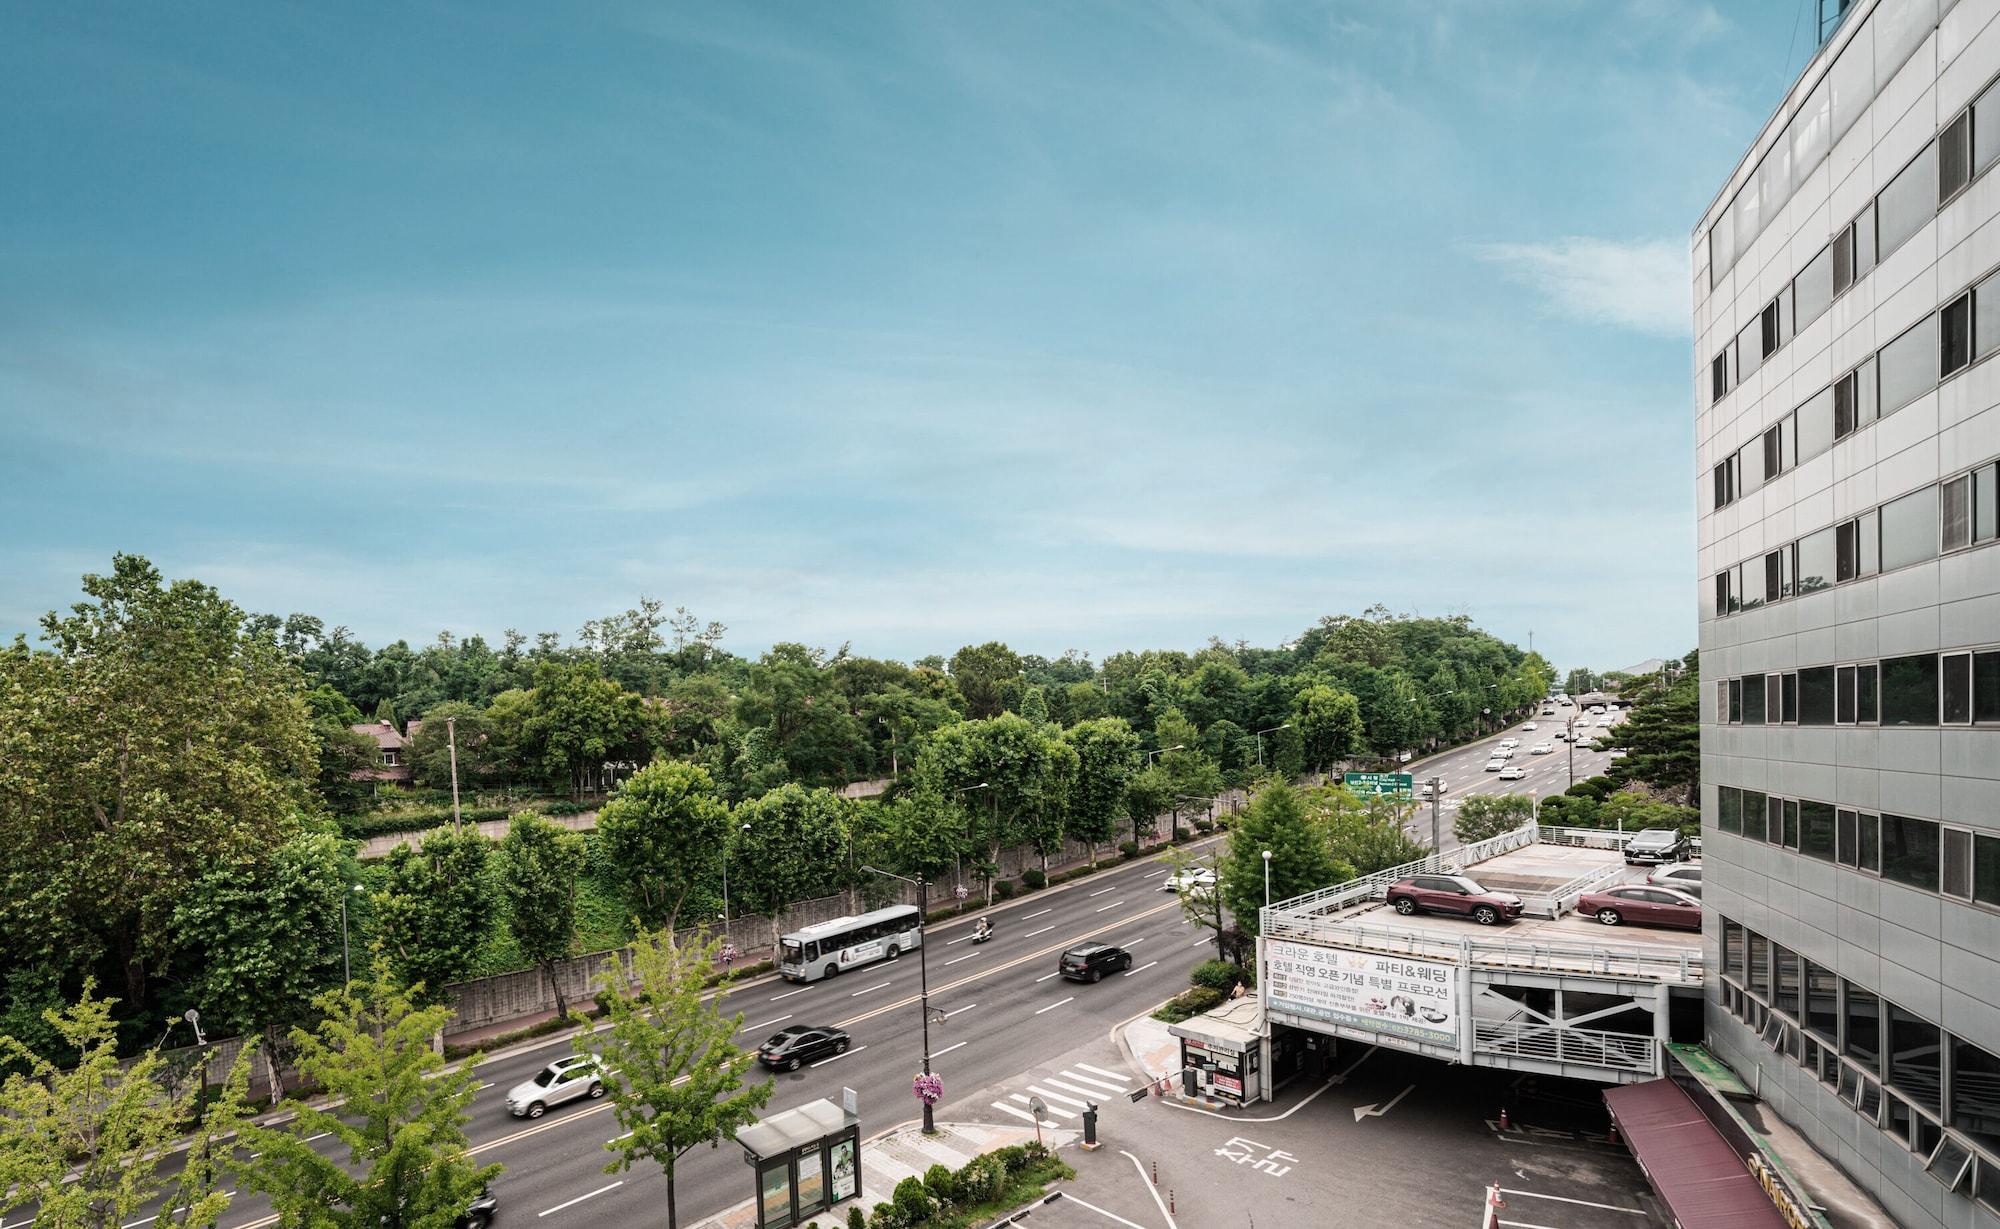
(1376, 1111)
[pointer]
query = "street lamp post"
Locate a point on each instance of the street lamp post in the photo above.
(1437, 792)
(1260, 740)
(346, 969)
(1570, 743)
(451, 737)
(923, 975)
(1267, 879)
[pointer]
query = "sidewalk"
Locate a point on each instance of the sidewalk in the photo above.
(903, 1152)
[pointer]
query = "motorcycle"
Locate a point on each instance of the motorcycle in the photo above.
(982, 934)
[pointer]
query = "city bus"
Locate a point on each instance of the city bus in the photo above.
(849, 942)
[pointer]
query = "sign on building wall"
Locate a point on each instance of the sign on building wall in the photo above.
(1417, 999)
(1394, 784)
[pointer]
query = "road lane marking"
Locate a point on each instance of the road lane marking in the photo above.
(836, 1058)
(1111, 1216)
(1057, 1110)
(1609, 1207)
(960, 939)
(1131, 942)
(1141, 969)
(1022, 1114)
(954, 1011)
(1044, 930)
(1053, 1006)
(789, 993)
(1202, 940)
(1113, 905)
(1038, 1090)
(1102, 891)
(1109, 1075)
(1040, 980)
(580, 1198)
(948, 1049)
(956, 959)
(1084, 1079)
(767, 1023)
(870, 990)
(1032, 916)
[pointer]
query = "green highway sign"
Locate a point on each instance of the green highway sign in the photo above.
(1395, 783)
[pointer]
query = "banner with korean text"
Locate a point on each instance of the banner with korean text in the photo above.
(1416, 999)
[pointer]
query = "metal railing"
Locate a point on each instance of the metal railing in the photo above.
(1561, 899)
(1631, 961)
(1555, 1043)
(1376, 886)
(1587, 838)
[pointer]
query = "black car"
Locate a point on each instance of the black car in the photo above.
(1655, 846)
(801, 1044)
(1091, 961)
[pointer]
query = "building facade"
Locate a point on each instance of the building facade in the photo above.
(1846, 315)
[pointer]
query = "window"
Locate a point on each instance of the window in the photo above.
(1954, 159)
(1909, 365)
(1855, 404)
(1955, 504)
(1910, 529)
(1777, 576)
(1732, 949)
(1725, 490)
(1985, 129)
(1774, 451)
(1907, 203)
(1910, 690)
(1812, 427)
(1822, 1017)
(1955, 863)
(1750, 350)
(1718, 376)
(1866, 710)
(1791, 831)
(1818, 560)
(1955, 688)
(1844, 838)
(1949, 1164)
(1760, 965)
(1910, 851)
(1916, 1059)
(1773, 703)
(1986, 309)
(388, 759)
(1985, 505)
(1753, 699)
(1986, 686)
(1955, 335)
(1786, 995)
(1975, 1093)
(1864, 1028)
(1753, 814)
(1812, 290)
(1843, 690)
(1723, 604)
(1774, 821)
(1871, 842)
(1816, 696)
(1816, 837)
(1735, 701)
(1986, 869)
(1729, 808)
(1788, 697)
(1768, 327)
(1856, 548)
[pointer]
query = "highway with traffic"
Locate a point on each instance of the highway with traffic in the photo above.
(1463, 769)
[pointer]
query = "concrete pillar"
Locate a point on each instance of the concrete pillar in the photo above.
(1465, 1007)
(1662, 1026)
(1265, 1077)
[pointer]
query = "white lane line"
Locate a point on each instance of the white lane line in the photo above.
(1037, 913)
(1154, 1191)
(1024, 1116)
(789, 993)
(321, 1135)
(877, 986)
(1056, 1096)
(134, 1224)
(1060, 1113)
(1102, 891)
(580, 1198)
(1131, 942)
(1082, 1092)
(1109, 1075)
(1053, 1006)
(1609, 1207)
(1523, 1224)
(1112, 1216)
(954, 1011)
(1044, 930)
(948, 1049)
(1202, 940)
(1113, 905)
(836, 1058)
(956, 959)
(1106, 1085)
(1141, 969)
(1040, 980)
(960, 939)
(768, 1023)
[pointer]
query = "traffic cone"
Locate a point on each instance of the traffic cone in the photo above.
(1504, 1124)
(1614, 1138)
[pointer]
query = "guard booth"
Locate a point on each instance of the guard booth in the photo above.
(806, 1160)
(1223, 1054)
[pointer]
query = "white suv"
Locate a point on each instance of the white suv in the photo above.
(565, 1079)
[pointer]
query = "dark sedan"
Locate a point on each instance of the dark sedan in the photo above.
(801, 1044)
(1642, 904)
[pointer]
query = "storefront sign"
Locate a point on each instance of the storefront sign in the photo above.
(1227, 1083)
(1416, 999)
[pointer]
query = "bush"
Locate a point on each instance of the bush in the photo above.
(1128, 849)
(884, 1217)
(1004, 890)
(913, 1206)
(981, 1180)
(1188, 1003)
(1034, 879)
(1217, 975)
(856, 1219)
(1203, 824)
(1014, 1157)
(940, 1183)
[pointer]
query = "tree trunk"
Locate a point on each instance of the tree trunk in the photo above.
(271, 1064)
(555, 986)
(134, 968)
(673, 1213)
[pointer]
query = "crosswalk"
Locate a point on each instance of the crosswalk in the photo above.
(1066, 1093)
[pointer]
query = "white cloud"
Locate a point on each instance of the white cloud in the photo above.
(1641, 285)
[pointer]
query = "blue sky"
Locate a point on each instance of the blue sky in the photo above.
(1091, 326)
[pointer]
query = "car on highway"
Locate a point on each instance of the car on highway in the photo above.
(565, 1079)
(1643, 904)
(1605, 723)
(1459, 894)
(1684, 876)
(1510, 742)
(1427, 788)
(1529, 726)
(1513, 772)
(1540, 749)
(1548, 712)
(1091, 961)
(791, 1048)
(1193, 879)
(1496, 764)
(1655, 846)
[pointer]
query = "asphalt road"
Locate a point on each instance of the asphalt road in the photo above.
(1463, 769)
(1002, 1008)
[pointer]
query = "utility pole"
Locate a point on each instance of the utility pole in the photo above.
(923, 972)
(1570, 742)
(1437, 793)
(451, 736)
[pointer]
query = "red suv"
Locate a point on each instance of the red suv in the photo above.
(1453, 894)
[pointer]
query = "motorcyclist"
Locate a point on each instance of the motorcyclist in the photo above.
(985, 928)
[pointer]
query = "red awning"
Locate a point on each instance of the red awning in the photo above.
(1704, 1184)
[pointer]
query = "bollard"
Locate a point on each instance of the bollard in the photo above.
(1090, 1143)
(1156, 1173)
(1170, 1201)
(1504, 1125)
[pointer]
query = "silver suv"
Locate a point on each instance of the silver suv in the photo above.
(565, 1079)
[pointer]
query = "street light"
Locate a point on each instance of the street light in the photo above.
(1259, 736)
(1163, 751)
(346, 970)
(1267, 879)
(923, 975)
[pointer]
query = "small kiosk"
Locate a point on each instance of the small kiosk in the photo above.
(806, 1160)
(1222, 1052)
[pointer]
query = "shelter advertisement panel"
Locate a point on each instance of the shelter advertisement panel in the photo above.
(1416, 999)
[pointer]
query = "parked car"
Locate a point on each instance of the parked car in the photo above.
(1091, 961)
(1513, 772)
(1684, 877)
(565, 1079)
(789, 1049)
(1655, 846)
(1641, 903)
(1540, 749)
(1460, 894)
(1193, 879)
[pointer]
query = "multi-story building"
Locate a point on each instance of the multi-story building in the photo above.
(1846, 315)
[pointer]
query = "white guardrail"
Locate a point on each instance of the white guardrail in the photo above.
(1586, 1047)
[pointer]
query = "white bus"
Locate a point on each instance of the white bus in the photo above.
(849, 942)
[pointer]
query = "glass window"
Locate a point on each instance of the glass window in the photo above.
(1866, 710)
(1772, 703)
(1955, 512)
(1955, 335)
(1949, 1164)
(1816, 696)
(1812, 428)
(1986, 308)
(1729, 808)
(1788, 696)
(1774, 574)
(1910, 529)
(1955, 862)
(1769, 329)
(1722, 603)
(1774, 821)
(1909, 365)
(1750, 350)
(1985, 523)
(1916, 1058)
(1816, 830)
(1753, 699)
(1907, 203)
(1986, 686)
(1786, 995)
(1791, 837)
(1864, 1027)
(1718, 376)
(1871, 842)
(1865, 249)
(1732, 949)
(1955, 688)
(1722, 485)
(1774, 451)
(1910, 690)
(1986, 869)
(1975, 1091)
(1954, 159)
(1843, 690)
(1746, 471)
(1822, 1002)
(1846, 400)
(1910, 851)
(1753, 814)
(1812, 291)
(1735, 701)
(1844, 837)
(1986, 129)
(1760, 965)
(1817, 561)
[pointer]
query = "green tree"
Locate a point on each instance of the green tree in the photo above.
(398, 1115)
(1107, 754)
(1580, 682)
(581, 720)
(1487, 815)
(479, 760)
(1020, 771)
(540, 864)
(435, 909)
(790, 845)
(673, 1069)
(82, 1133)
(343, 754)
(988, 676)
(1149, 793)
(920, 834)
(1369, 834)
(1301, 862)
(662, 839)
(150, 740)
(1192, 775)
(1329, 724)
(1662, 737)
(1201, 905)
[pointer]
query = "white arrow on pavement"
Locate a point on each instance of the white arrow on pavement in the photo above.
(1376, 1111)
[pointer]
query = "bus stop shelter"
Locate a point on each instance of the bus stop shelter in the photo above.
(806, 1160)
